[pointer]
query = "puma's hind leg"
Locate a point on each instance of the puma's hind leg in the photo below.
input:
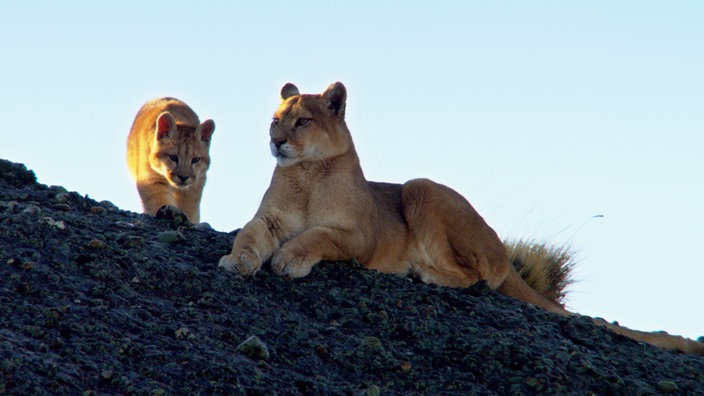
(453, 246)
(459, 247)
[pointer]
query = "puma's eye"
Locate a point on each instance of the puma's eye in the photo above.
(195, 160)
(173, 158)
(301, 122)
(275, 122)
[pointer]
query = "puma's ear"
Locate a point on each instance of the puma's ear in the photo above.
(165, 125)
(336, 95)
(206, 129)
(289, 90)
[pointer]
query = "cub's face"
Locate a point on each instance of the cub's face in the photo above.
(181, 154)
(307, 128)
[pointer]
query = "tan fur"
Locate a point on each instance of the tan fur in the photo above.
(168, 156)
(319, 207)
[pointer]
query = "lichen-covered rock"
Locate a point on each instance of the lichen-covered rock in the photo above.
(171, 236)
(254, 348)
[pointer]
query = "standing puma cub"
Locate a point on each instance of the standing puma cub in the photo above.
(168, 156)
(319, 207)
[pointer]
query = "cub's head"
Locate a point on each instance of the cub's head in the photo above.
(180, 153)
(309, 127)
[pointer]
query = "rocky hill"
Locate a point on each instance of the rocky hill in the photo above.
(95, 300)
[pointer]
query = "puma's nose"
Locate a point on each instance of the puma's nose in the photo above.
(278, 142)
(182, 178)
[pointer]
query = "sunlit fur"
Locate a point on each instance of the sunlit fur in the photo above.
(168, 156)
(319, 206)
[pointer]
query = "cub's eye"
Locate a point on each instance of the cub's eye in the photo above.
(195, 160)
(301, 122)
(275, 122)
(173, 158)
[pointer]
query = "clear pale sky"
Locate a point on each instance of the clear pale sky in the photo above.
(543, 114)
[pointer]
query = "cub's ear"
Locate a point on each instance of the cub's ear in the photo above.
(165, 125)
(336, 95)
(206, 129)
(289, 90)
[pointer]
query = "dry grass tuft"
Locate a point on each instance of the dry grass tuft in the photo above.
(547, 269)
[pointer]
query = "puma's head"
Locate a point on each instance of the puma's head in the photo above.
(309, 127)
(180, 153)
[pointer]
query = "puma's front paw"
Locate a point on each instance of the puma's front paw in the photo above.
(291, 265)
(245, 264)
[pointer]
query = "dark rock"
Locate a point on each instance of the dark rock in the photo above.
(254, 348)
(16, 175)
(171, 236)
(172, 214)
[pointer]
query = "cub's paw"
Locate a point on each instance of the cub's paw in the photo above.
(244, 264)
(291, 265)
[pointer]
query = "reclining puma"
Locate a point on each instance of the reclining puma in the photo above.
(168, 156)
(319, 207)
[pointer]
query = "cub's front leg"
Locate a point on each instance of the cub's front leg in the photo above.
(253, 245)
(154, 196)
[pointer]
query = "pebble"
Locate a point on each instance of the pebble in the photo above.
(371, 344)
(203, 226)
(171, 236)
(97, 210)
(183, 332)
(405, 366)
(62, 207)
(372, 390)
(58, 189)
(124, 224)
(109, 205)
(54, 223)
(254, 348)
(61, 197)
(106, 374)
(32, 209)
(96, 243)
(131, 241)
(668, 386)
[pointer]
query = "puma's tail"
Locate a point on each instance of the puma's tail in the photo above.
(546, 269)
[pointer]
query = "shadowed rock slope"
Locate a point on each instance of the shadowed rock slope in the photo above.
(96, 301)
